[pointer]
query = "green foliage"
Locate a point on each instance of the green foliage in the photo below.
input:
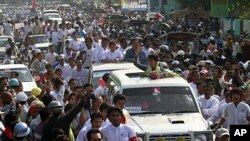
(194, 4)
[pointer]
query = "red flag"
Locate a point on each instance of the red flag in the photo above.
(34, 4)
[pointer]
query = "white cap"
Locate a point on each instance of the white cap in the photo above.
(164, 47)
(38, 51)
(21, 96)
(61, 56)
(181, 52)
(175, 62)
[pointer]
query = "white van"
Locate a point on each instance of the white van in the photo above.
(160, 109)
(97, 70)
(24, 75)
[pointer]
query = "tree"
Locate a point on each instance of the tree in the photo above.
(194, 4)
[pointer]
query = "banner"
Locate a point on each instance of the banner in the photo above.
(134, 5)
(219, 8)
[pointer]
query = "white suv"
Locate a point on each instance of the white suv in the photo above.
(160, 109)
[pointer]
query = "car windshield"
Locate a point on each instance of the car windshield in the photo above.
(52, 15)
(3, 42)
(164, 100)
(40, 39)
(97, 75)
(24, 75)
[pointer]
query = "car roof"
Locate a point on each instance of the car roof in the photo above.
(52, 11)
(112, 66)
(11, 66)
(37, 35)
(4, 36)
(131, 79)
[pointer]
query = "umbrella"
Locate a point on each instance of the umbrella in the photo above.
(138, 22)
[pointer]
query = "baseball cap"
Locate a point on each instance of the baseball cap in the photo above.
(164, 47)
(221, 132)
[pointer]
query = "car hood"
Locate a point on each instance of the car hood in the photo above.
(168, 123)
(42, 45)
(55, 19)
(28, 86)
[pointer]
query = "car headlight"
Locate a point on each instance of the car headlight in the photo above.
(202, 136)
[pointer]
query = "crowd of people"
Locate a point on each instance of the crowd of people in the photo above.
(65, 106)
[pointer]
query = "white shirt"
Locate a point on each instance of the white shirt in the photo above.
(101, 91)
(112, 55)
(88, 58)
(69, 73)
(82, 135)
(122, 51)
(98, 51)
(76, 45)
(120, 133)
(80, 76)
(58, 96)
(97, 44)
(218, 114)
(210, 105)
(207, 53)
(147, 51)
(236, 115)
(64, 69)
(28, 29)
(55, 36)
(51, 57)
(8, 29)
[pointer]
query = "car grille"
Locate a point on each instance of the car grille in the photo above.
(170, 137)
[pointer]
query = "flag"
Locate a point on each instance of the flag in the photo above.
(34, 4)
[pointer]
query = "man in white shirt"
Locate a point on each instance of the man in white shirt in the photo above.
(8, 28)
(97, 41)
(51, 55)
(222, 105)
(71, 67)
(147, 46)
(88, 55)
(80, 74)
(112, 56)
(63, 66)
(57, 39)
(27, 27)
(58, 90)
(195, 77)
(123, 46)
(208, 102)
(117, 131)
(236, 112)
(96, 123)
(99, 50)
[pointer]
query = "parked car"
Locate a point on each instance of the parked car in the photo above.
(41, 42)
(24, 75)
(99, 69)
(53, 15)
(164, 108)
(3, 43)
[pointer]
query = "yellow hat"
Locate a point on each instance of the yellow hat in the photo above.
(36, 91)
